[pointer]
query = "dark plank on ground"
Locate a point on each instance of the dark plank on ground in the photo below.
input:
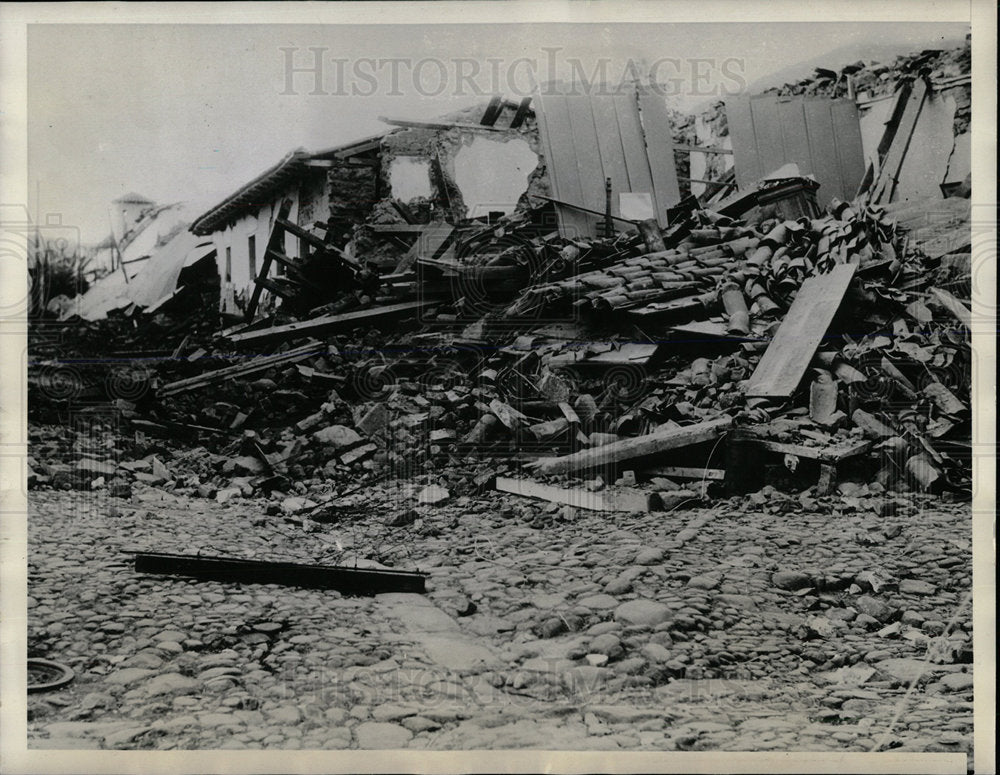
(357, 581)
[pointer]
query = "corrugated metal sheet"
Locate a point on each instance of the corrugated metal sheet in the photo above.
(590, 137)
(150, 281)
(821, 135)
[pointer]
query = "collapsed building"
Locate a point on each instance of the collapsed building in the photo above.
(534, 283)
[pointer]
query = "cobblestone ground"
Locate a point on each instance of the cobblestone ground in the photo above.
(763, 623)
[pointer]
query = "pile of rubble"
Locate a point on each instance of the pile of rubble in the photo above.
(805, 342)
(871, 80)
(755, 340)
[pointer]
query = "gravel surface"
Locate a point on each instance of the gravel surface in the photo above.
(770, 622)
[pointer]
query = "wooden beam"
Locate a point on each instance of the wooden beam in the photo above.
(281, 258)
(301, 233)
(316, 242)
(701, 149)
(656, 308)
(445, 125)
(362, 146)
(686, 472)
(405, 213)
(251, 365)
(356, 581)
(716, 183)
(174, 429)
(960, 312)
(280, 289)
(521, 114)
(274, 241)
(640, 446)
(618, 500)
(493, 111)
(791, 351)
(433, 237)
(398, 228)
(888, 177)
(330, 323)
(829, 454)
(583, 209)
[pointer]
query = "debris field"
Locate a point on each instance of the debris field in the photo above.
(555, 477)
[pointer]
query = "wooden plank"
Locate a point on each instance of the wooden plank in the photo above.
(609, 141)
(252, 365)
(330, 323)
(709, 331)
(281, 258)
(427, 245)
(493, 111)
(617, 500)
(432, 240)
(555, 135)
(587, 151)
(582, 209)
(689, 304)
(685, 472)
(408, 124)
(831, 454)
(715, 183)
(788, 355)
(640, 179)
(745, 161)
(521, 114)
(823, 149)
(285, 289)
(767, 133)
(301, 233)
(660, 151)
(398, 228)
(702, 149)
(231, 570)
(902, 97)
(274, 241)
(850, 149)
(639, 446)
(960, 312)
(168, 429)
(885, 185)
(795, 135)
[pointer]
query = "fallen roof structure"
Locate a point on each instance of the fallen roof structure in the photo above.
(585, 332)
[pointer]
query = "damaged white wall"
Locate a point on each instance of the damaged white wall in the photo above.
(926, 162)
(410, 178)
(493, 175)
(480, 171)
(232, 246)
(926, 165)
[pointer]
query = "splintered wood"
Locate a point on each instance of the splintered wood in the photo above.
(618, 500)
(788, 356)
(639, 446)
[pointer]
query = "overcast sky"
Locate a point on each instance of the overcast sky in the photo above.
(191, 112)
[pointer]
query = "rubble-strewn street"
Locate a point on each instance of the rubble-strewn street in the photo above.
(770, 622)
